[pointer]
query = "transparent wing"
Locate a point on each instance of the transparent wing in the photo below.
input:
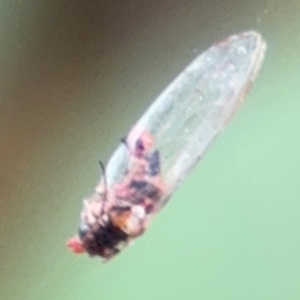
(188, 115)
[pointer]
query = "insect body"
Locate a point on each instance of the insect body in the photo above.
(166, 143)
(115, 216)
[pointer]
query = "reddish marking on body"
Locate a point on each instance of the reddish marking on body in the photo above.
(143, 137)
(75, 244)
(148, 205)
(123, 191)
(137, 170)
(147, 142)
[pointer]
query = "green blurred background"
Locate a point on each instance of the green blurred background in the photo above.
(74, 76)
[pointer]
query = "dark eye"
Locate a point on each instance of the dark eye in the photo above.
(139, 145)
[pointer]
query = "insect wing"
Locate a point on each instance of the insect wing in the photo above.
(195, 107)
(166, 143)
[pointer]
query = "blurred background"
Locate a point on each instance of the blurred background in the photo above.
(74, 76)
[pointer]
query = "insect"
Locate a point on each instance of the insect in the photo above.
(166, 143)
